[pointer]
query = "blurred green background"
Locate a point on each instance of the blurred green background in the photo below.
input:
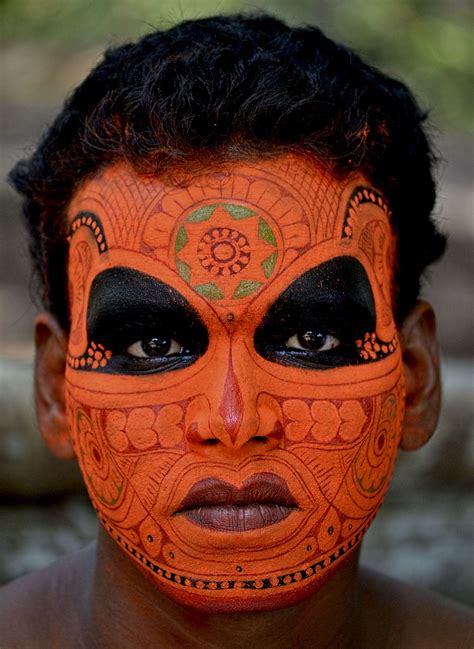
(426, 42)
(424, 532)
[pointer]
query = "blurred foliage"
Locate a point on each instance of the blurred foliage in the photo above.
(426, 43)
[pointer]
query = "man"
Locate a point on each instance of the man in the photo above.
(229, 221)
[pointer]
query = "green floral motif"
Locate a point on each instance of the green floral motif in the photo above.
(211, 291)
(181, 239)
(265, 232)
(184, 270)
(238, 212)
(202, 213)
(268, 264)
(246, 288)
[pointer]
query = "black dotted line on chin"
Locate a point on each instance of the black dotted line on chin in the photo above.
(246, 584)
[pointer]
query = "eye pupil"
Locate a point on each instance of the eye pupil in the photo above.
(156, 346)
(312, 340)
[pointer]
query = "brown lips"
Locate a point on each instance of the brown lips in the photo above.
(263, 499)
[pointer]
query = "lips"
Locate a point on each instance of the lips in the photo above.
(264, 499)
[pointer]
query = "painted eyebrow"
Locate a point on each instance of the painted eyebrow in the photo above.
(122, 295)
(336, 293)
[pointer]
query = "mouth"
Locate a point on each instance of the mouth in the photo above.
(264, 499)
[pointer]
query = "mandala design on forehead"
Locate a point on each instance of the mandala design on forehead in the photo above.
(234, 258)
(224, 252)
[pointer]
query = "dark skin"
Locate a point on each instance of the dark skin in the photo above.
(97, 598)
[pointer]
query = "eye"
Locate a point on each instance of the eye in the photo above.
(154, 347)
(313, 341)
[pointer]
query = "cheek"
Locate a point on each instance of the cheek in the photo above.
(349, 446)
(124, 454)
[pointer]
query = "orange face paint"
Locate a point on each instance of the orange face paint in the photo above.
(234, 380)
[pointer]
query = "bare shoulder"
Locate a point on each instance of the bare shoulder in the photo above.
(405, 616)
(37, 608)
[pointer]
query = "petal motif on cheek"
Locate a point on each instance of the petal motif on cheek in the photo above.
(166, 425)
(139, 418)
(353, 420)
(298, 411)
(139, 423)
(327, 421)
(145, 439)
(114, 428)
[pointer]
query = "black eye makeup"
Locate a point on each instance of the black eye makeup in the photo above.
(320, 319)
(137, 324)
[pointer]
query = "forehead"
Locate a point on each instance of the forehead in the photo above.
(234, 231)
(291, 190)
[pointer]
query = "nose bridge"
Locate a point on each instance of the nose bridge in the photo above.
(233, 403)
(232, 394)
(232, 407)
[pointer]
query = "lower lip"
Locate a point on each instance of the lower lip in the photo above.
(233, 518)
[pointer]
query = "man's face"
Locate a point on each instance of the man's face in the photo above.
(234, 380)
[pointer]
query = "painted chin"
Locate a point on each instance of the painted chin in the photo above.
(246, 601)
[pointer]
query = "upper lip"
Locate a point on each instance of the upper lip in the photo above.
(259, 488)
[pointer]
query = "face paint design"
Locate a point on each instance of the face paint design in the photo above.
(234, 380)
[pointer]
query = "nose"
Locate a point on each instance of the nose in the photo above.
(233, 415)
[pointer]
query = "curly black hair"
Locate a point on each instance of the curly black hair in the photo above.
(233, 87)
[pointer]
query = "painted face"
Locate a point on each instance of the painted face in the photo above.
(234, 380)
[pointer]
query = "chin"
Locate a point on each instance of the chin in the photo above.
(245, 603)
(242, 601)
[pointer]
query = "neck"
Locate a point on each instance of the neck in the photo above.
(126, 606)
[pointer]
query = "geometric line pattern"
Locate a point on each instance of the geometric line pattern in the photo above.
(359, 196)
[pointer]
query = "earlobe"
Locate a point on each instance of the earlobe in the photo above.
(50, 364)
(422, 378)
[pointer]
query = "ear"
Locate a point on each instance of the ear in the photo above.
(50, 365)
(422, 379)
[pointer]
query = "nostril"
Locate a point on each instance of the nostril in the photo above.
(261, 439)
(212, 441)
